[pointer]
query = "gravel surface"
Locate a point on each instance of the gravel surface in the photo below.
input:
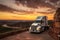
(28, 36)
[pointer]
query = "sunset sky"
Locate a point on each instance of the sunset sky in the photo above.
(27, 9)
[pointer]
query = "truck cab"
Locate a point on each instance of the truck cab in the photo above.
(39, 25)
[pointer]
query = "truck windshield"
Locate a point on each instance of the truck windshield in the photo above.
(39, 21)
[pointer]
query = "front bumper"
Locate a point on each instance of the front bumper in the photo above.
(35, 31)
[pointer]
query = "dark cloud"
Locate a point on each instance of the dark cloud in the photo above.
(30, 3)
(27, 5)
(36, 3)
(54, 1)
(5, 8)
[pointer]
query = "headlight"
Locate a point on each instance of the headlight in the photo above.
(30, 28)
(38, 28)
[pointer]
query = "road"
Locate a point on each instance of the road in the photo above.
(28, 36)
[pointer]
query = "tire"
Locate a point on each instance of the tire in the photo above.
(43, 28)
(46, 28)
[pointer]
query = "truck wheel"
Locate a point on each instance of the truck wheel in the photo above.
(43, 29)
(46, 28)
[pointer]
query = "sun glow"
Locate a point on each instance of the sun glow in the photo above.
(23, 16)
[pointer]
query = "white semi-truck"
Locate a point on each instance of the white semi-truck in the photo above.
(39, 25)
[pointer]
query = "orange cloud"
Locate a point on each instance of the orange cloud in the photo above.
(12, 16)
